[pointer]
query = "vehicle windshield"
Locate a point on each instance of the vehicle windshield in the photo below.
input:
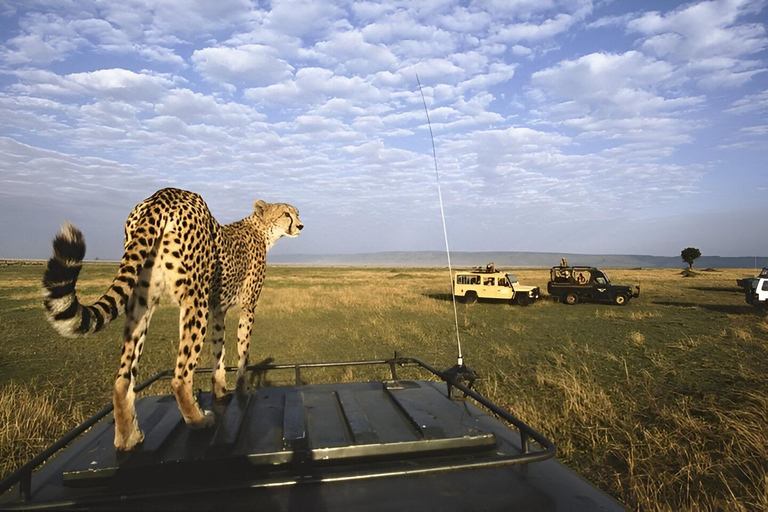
(511, 279)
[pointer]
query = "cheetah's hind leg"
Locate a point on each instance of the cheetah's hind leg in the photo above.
(192, 325)
(138, 314)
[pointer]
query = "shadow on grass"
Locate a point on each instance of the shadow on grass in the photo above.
(441, 296)
(719, 308)
(724, 289)
(460, 300)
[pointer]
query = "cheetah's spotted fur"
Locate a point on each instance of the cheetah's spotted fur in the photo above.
(172, 242)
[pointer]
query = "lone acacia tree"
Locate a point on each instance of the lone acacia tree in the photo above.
(689, 254)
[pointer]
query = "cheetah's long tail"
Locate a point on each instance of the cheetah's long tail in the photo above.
(65, 312)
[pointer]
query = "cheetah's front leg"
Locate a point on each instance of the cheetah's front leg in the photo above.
(219, 384)
(244, 328)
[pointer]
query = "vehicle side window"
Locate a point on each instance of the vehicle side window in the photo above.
(765, 286)
(503, 281)
(600, 280)
(489, 281)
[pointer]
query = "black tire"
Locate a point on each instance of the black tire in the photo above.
(522, 300)
(470, 298)
(621, 299)
(571, 299)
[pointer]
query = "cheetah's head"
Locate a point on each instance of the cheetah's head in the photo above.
(279, 219)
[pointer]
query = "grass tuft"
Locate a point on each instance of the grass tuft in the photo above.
(31, 420)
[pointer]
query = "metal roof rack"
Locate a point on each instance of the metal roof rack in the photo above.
(430, 435)
(366, 440)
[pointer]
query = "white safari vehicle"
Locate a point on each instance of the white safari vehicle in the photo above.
(490, 284)
(757, 292)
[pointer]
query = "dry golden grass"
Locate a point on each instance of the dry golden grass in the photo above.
(654, 450)
(637, 338)
(31, 420)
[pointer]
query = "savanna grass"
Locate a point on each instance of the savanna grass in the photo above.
(661, 404)
(32, 419)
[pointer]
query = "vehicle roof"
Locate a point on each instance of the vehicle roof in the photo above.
(576, 267)
(383, 445)
(501, 273)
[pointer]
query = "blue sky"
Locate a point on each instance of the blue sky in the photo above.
(560, 126)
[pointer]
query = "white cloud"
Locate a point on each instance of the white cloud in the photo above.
(526, 9)
(520, 169)
(435, 70)
(520, 50)
(517, 21)
(728, 78)
(475, 105)
(534, 32)
(301, 18)
(611, 21)
(463, 19)
(161, 54)
(61, 176)
(285, 93)
(370, 10)
(397, 27)
(497, 73)
(629, 102)
(25, 114)
(315, 85)
(749, 138)
(750, 103)
(45, 38)
(355, 55)
(110, 114)
(164, 21)
(194, 107)
(709, 36)
(100, 33)
(317, 124)
(599, 75)
(249, 64)
(339, 107)
(473, 62)
(118, 27)
(119, 84)
(701, 30)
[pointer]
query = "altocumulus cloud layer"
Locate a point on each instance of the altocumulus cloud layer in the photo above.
(573, 126)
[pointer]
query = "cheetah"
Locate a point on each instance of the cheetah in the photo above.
(172, 244)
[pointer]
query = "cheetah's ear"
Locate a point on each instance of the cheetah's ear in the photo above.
(259, 207)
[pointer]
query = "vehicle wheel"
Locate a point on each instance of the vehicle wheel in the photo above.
(470, 298)
(571, 299)
(621, 300)
(522, 300)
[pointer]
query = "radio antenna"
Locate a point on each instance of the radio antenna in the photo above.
(460, 361)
